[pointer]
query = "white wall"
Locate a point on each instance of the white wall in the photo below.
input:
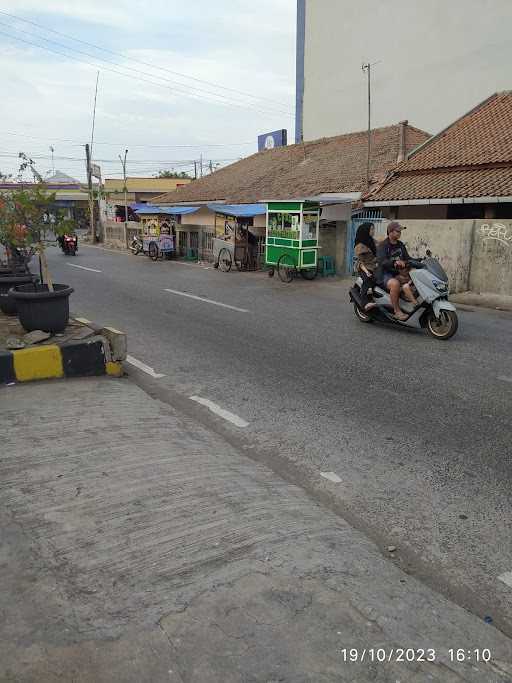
(438, 59)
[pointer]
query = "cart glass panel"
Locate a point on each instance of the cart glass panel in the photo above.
(310, 221)
(283, 224)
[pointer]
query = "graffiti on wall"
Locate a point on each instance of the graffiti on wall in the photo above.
(497, 231)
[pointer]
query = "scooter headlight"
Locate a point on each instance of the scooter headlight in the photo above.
(440, 286)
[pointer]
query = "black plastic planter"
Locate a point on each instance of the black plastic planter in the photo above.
(39, 309)
(7, 302)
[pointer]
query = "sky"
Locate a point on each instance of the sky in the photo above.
(177, 80)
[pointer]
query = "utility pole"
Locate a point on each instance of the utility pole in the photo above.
(123, 162)
(211, 166)
(201, 164)
(367, 67)
(52, 150)
(91, 198)
(195, 170)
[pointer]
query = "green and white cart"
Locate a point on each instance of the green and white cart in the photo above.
(291, 244)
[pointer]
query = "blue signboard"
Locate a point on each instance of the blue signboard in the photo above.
(277, 138)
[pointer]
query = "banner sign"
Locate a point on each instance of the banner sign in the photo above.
(277, 138)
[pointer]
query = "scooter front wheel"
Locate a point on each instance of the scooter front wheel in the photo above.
(361, 315)
(443, 327)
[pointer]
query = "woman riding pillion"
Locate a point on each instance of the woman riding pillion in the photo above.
(365, 249)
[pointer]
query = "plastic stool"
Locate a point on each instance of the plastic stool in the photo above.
(326, 266)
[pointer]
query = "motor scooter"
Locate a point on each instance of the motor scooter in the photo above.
(136, 245)
(433, 311)
(69, 244)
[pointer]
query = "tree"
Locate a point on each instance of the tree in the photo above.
(27, 217)
(173, 174)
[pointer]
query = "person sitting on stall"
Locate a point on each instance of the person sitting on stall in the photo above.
(365, 249)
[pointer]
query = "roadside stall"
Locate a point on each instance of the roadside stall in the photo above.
(236, 241)
(159, 229)
(292, 239)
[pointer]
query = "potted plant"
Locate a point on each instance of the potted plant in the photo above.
(27, 219)
(16, 270)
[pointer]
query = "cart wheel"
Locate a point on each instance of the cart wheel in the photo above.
(225, 261)
(271, 272)
(153, 251)
(286, 268)
(309, 273)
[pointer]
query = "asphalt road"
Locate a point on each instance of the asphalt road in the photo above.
(419, 431)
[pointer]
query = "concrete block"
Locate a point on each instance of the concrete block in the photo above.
(38, 362)
(118, 342)
(7, 374)
(84, 358)
(88, 323)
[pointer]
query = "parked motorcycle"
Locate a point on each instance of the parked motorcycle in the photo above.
(69, 244)
(433, 312)
(136, 245)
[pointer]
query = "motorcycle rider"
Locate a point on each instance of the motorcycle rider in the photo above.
(392, 257)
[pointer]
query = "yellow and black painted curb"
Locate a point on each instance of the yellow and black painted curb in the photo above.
(85, 358)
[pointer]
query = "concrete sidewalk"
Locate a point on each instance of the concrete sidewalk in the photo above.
(140, 547)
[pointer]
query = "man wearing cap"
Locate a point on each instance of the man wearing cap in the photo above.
(392, 256)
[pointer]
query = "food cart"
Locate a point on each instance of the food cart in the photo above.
(236, 242)
(233, 249)
(292, 239)
(158, 232)
(156, 246)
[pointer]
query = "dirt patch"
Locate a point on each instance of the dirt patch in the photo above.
(10, 328)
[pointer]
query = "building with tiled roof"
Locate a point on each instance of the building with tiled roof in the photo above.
(330, 165)
(465, 171)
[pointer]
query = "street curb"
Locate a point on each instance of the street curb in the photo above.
(100, 354)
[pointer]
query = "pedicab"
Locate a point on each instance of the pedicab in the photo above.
(292, 239)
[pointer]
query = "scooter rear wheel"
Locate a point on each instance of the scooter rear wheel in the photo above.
(361, 315)
(443, 327)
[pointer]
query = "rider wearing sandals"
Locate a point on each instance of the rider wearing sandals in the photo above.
(392, 257)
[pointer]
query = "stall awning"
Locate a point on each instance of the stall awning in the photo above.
(142, 209)
(180, 210)
(239, 210)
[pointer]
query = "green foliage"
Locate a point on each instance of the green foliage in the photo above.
(172, 174)
(27, 216)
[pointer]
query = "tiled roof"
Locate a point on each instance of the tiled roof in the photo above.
(470, 158)
(335, 164)
(476, 182)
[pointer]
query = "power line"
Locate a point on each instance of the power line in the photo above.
(138, 61)
(179, 87)
(14, 155)
(122, 144)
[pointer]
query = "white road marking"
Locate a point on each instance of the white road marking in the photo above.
(208, 301)
(506, 578)
(331, 476)
(193, 265)
(230, 417)
(504, 378)
(93, 270)
(142, 366)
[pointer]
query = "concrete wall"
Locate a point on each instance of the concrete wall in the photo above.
(449, 241)
(476, 254)
(417, 46)
(491, 265)
(202, 217)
